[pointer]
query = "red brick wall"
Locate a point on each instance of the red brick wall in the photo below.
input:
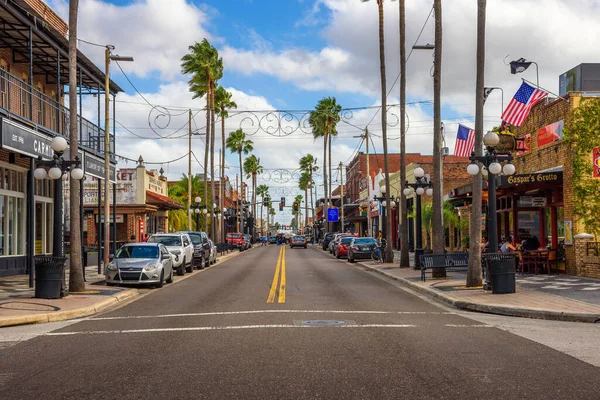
(49, 15)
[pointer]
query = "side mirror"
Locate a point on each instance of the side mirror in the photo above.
(166, 256)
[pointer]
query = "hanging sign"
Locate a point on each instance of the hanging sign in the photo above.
(596, 158)
(333, 215)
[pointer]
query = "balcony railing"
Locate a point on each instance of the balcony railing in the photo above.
(23, 102)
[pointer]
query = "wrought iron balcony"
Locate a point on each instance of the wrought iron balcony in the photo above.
(28, 105)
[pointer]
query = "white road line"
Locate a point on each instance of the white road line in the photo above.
(272, 312)
(468, 326)
(218, 328)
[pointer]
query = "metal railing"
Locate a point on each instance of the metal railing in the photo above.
(28, 104)
(593, 249)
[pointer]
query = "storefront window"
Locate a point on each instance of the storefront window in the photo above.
(2, 219)
(560, 225)
(529, 224)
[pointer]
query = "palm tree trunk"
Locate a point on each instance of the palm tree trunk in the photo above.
(222, 175)
(241, 195)
(262, 223)
(326, 200)
(213, 225)
(76, 283)
(312, 203)
(253, 200)
(206, 146)
(404, 259)
(474, 271)
(305, 206)
(330, 175)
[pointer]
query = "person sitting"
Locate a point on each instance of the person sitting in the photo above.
(507, 247)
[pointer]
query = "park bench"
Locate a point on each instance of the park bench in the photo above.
(448, 261)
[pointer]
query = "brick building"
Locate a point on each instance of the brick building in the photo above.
(33, 82)
(538, 200)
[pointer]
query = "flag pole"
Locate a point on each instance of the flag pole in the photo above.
(546, 90)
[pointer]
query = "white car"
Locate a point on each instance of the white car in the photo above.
(180, 245)
(213, 252)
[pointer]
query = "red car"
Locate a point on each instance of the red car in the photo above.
(236, 240)
(342, 248)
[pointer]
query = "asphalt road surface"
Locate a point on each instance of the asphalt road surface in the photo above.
(281, 323)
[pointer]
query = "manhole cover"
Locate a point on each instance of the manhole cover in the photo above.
(324, 322)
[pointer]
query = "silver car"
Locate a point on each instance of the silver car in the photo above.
(213, 252)
(140, 264)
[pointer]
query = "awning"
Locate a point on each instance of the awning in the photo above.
(162, 202)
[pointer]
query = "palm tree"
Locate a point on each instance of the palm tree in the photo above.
(76, 283)
(263, 192)
(179, 192)
(323, 121)
(213, 225)
(238, 143)
(205, 66)
(297, 199)
(389, 256)
(304, 184)
(308, 164)
(474, 271)
(223, 104)
(253, 168)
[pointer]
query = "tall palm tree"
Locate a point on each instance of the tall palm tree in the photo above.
(219, 75)
(238, 143)
(297, 199)
(389, 254)
(323, 120)
(205, 66)
(308, 164)
(263, 192)
(253, 168)
(474, 270)
(76, 283)
(304, 184)
(223, 104)
(404, 258)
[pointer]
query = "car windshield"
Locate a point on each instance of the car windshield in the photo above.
(137, 252)
(233, 236)
(346, 240)
(364, 241)
(166, 240)
(298, 237)
(196, 238)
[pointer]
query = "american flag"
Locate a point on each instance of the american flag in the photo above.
(465, 141)
(520, 105)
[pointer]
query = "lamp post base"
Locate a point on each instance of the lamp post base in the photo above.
(418, 253)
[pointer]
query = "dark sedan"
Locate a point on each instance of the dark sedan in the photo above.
(298, 241)
(361, 248)
(273, 239)
(328, 237)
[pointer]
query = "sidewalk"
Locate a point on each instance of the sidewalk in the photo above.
(555, 297)
(19, 307)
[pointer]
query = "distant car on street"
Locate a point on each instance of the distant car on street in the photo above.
(327, 239)
(341, 250)
(236, 241)
(361, 248)
(273, 239)
(298, 241)
(201, 249)
(140, 264)
(180, 245)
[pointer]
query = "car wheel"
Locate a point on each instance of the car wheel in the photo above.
(350, 260)
(305, 247)
(189, 268)
(170, 278)
(337, 255)
(202, 263)
(181, 269)
(207, 262)
(160, 282)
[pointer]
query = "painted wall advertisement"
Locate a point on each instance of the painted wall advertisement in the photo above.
(550, 133)
(596, 158)
(126, 188)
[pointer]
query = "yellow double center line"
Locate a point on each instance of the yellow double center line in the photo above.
(279, 270)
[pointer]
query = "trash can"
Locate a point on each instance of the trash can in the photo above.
(502, 272)
(50, 277)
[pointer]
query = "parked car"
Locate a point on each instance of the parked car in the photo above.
(273, 239)
(247, 241)
(201, 257)
(361, 248)
(341, 250)
(180, 245)
(140, 263)
(236, 240)
(336, 240)
(213, 252)
(298, 241)
(327, 239)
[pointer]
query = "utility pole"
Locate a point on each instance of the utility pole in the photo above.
(369, 228)
(239, 209)
(189, 197)
(342, 189)
(107, 150)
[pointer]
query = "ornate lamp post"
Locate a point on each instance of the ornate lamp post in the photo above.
(57, 168)
(421, 186)
(384, 203)
(491, 163)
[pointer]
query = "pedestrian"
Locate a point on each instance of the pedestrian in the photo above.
(132, 239)
(507, 247)
(146, 237)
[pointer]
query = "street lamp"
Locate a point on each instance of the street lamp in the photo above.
(421, 186)
(57, 166)
(520, 65)
(491, 162)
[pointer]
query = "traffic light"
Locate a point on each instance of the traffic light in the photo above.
(283, 201)
(296, 206)
(280, 206)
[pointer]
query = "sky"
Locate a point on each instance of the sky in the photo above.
(289, 54)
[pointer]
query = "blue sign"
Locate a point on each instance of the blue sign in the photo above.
(333, 215)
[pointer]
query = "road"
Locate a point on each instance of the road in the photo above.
(280, 323)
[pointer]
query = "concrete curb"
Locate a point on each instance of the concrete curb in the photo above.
(69, 314)
(510, 311)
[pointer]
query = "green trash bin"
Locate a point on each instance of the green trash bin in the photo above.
(50, 277)
(502, 272)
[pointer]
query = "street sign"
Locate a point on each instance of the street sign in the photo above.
(333, 215)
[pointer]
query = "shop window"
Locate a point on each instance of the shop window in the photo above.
(12, 212)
